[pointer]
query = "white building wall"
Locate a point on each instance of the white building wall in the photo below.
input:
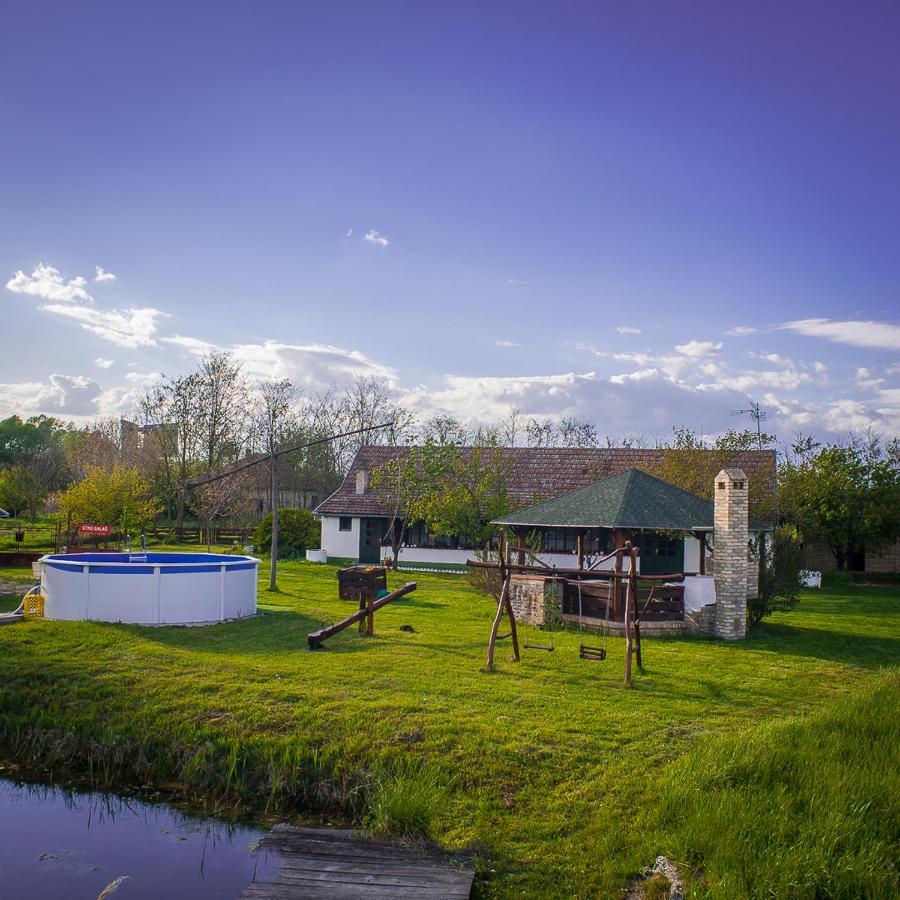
(340, 543)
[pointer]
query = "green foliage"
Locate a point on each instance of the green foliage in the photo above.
(453, 490)
(20, 490)
(780, 568)
(298, 531)
(36, 445)
(844, 496)
(120, 498)
(692, 464)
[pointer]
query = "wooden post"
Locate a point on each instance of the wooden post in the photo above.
(579, 546)
(617, 582)
(512, 623)
(633, 583)
(362, 606)
(520, 534)
(702, 538)
(501, 608)
(370, 618)
(629, 646)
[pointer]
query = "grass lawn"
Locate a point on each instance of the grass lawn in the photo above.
(767, 767)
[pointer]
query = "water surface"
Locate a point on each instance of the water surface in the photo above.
(57, 844)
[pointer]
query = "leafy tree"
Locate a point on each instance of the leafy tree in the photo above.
(847, 497)
(20, 490)
(780, 568)
(36, 445)
(692, 463)
(120, 498)
(298, 531)
(453, 490)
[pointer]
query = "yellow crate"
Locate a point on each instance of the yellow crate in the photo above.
(34, 606)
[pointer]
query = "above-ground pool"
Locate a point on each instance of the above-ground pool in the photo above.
(148, 588)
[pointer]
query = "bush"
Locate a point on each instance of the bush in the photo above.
(298, 532)
(780, 570)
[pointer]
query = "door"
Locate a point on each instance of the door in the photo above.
(370, 533)
(661, 554)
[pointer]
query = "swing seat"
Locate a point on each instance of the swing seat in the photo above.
(596, 653)
(539, 647)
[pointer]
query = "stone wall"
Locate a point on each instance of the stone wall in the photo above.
(888, 561)
(535, 599)
(731, 520)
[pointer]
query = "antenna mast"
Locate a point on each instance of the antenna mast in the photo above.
(756, 414)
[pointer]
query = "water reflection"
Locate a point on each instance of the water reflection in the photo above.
(68, 844)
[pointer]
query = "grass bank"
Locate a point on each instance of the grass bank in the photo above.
(569, 783)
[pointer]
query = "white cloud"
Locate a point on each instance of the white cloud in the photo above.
(47, 283)
(820, 367)
(503, 343)
(132, 327)
(348, 232)
(697, 349)
(740, 331)
(101, 275)
(774, 358)
(122, 399)
(376, 237)
(628, 329)
(60, 395)
(313, 367)
(867, 381)
(102, 363)
(862, 333)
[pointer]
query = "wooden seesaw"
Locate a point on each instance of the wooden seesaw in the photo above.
(368, 606)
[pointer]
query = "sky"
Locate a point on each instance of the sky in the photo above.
(644, 214)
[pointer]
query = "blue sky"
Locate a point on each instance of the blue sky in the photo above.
(645, 214)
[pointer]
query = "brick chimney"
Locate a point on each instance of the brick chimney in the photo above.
(732, 531)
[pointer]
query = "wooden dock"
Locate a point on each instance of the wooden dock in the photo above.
(332, 862)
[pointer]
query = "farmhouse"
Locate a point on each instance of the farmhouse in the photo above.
(356, 518)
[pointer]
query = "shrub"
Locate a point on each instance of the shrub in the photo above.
(298, 532)
(780, 569)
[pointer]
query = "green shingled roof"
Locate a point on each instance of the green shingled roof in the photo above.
(632, 499)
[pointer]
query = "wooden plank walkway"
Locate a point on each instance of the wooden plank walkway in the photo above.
(333, 862)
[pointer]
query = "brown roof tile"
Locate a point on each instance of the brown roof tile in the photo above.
(536, 473)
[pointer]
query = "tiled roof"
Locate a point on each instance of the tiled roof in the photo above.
(631, 499)
(535, 473)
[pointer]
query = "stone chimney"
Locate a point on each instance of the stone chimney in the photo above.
(732, 532)
(362, 481)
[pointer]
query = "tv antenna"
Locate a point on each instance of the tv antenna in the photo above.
(755, 413)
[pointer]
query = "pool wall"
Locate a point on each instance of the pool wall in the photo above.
(149, 589)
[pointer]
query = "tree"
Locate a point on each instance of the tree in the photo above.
(120, 498)
(453, 490)
(780, 573)
(20, 490)
(35, 445)
(692, 463)
(847, 496)
(223, 401)
(222, 497)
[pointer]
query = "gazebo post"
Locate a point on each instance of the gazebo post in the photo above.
(579, 544)
(702, 538)
(520, 546)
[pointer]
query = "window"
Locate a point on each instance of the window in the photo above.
(345, 523)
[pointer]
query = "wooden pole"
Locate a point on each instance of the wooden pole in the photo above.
(501, 608)
(629, 647)
(702, 538)
(633, 584)
(579, 545)
(273, 562)
(520, 534)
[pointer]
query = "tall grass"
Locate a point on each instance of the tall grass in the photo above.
(405, 799)
(802, 807)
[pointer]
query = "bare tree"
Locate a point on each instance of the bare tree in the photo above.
(223, 401)
(223, 497)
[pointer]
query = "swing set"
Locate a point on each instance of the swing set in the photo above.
(617, 580)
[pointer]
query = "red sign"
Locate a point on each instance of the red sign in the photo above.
(93, 529)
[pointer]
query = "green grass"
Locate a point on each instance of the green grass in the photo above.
(567, 783)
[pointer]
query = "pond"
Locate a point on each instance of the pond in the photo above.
(60, 843)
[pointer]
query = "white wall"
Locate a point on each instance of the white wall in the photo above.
(340, 543)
